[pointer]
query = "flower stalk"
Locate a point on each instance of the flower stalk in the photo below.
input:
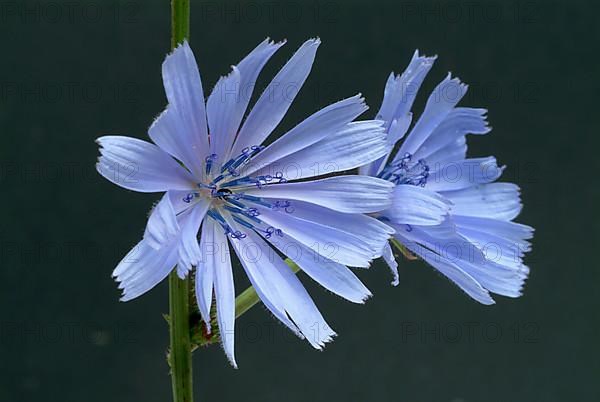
(180, 354)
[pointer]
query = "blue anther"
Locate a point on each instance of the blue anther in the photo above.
(209, 162)
(252, 212)
(189, 197)
(271, 230)
(247, 153)
(283, 204)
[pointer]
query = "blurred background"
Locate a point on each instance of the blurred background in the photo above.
(75, 70)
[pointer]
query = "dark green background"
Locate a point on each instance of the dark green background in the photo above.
(71, 72)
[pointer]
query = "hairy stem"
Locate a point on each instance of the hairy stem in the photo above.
(180, 354)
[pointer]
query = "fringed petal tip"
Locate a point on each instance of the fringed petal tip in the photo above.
(418, 61)
(320, 345)
(272, 42)
(316, 41)
(450, 80)
(125, 296)
(365, 297)
(360, 100)
(418, 55)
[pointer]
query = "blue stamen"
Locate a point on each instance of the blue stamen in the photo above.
(237, 182)
(209, 162)
(189, 197)
(207, 186)
(252, 212)
(235, 202)
(402, 172)
(256, 200)
(216, 216)
(246, 212)
(247, 153)
(234, 235)
(258, 181)
(218, 178)
(271, 230)
(243, 222)
(221, 221)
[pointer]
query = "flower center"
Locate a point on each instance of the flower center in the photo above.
(405, 171)
(225, 189)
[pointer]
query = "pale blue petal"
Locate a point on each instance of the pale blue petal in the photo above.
(143, 268)
(189, 251)
(448, 155)
(350, 194)
(221, 109)
(415, 205)
(274, 102)
(229, 99)
(326, 241)
(461, 278)
(162, 227)
(140, 166)
(398, 97)
(369, 230)
(463, 174)
(286, 296)
(503, 242)
(358, 143)
(390, 260)
(496, 278)
(212, 259)
(171, 134)
(178, 200)
(325, 122)
(447, 249)
(441, 101)
(336, 278)
(253, 257)
(458, 123)
(511, 231)
(224, 293)
(445, 241)
(397, 129)
(400, 91)
(183, 88)
(494, 200)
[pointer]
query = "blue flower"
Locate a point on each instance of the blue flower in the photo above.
(222, 183)
(448, 209)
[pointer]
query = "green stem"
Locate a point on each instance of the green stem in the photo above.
(180, 355)
(180, 21)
